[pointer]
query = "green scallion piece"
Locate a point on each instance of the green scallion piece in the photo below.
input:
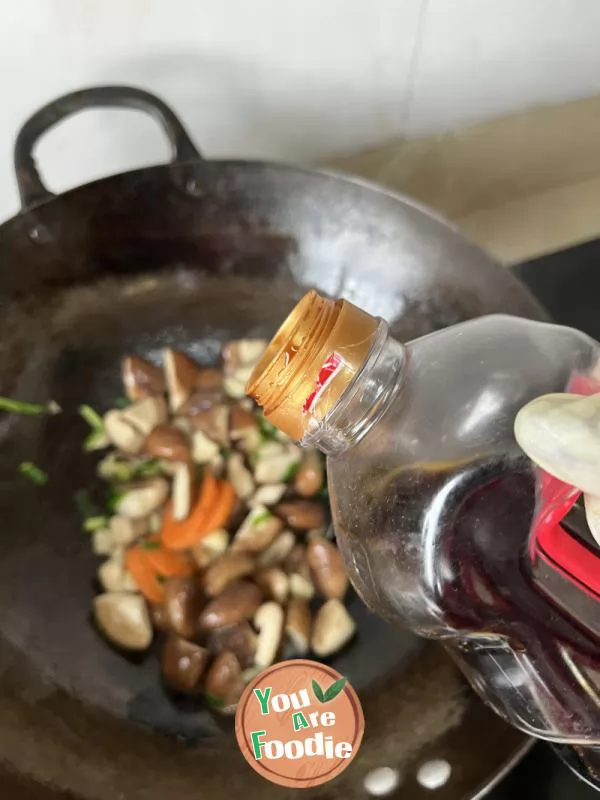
(23, 407)
(33, 472)
(113, 500)
(150, 544)
(122, 402)
(291, 472)
(261, 517)
(85, 505)
(92, 524)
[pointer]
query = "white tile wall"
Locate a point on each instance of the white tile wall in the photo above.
(288, 79)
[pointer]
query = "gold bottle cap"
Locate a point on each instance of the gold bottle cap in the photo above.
(310, 362)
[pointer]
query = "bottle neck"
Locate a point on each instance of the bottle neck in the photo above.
(366, 399)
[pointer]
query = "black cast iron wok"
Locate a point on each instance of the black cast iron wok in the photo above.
(190, 254)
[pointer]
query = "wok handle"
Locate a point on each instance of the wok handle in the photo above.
(31, 187)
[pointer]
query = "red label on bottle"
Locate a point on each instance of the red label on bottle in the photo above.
(332, 366)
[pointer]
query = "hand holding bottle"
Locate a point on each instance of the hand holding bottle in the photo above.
(561, 434)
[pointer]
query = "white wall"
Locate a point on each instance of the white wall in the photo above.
(288, 79)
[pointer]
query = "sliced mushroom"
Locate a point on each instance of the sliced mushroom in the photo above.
(181, 374)
(213, 423)
(241, 422)
(297, 626)
(274, 583)
(126, 530)
(296, 561)
(224, 683)
(234, 388)
(268, 621)
(333, 627)
(142, 498)
(124, 619)
(239, 476)
(103, 543)
(146, 414)
(207, 392)
(327, 568)
(308, 481)
(240, 356)
(204, 450)
(122, 433)
(301, 514)
(159, 617)
(113, 576)
(268, 495)
(183, 491)
(278, 550)
(301, 587)
(141, 378)
(183, 664)
(228, 568)
(183, 601)
(257, 531)
(168, 442)
(275, 467)
(209, 548)
(249, 441)
(237, 602)
(238, 639)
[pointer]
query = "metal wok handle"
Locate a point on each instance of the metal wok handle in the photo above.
(31, 187)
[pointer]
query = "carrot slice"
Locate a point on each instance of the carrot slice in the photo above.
(222, 509)
(136, 561)
(182, 535)
(169, 563)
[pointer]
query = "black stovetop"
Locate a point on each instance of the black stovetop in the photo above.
(568, 285)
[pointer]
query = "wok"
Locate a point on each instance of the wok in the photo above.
(188, 255)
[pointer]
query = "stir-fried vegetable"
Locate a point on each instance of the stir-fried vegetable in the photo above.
(215, 522)
(33, 409)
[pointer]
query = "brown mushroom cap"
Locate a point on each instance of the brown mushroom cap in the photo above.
(238, 639)
(310, 476)
(168, 442)
(238, 601)
(181, 374)
(183, 601)
(327, 568)
(224, 681)
(228, 568)
(213, 423)
(303, 515)
(141, 378)
(183, 664)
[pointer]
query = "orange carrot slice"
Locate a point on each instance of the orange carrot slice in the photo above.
(182, 535)
(222, 509)
(169, 563)
(136, 561)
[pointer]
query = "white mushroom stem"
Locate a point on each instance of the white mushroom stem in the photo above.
(333, 627)
(114, 577)
(204, 450)
(103, 542)
(124, 619)
(301, 587)
(122, 433)
(268, 495)
(268, 621)
(183, 487)
(239, 476)
(125, 530)
(210, 547)
(146, 414)
(278, 550)
(141, 499)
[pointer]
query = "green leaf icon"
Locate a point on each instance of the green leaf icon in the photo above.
(335, 689)
(318, 692)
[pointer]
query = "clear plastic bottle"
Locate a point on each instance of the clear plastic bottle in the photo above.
(445, 526)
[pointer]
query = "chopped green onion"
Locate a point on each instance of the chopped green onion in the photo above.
(324, 492)
(213, 701)
(261, 517)
(150, 544)
(291, 472)
(92, 524)
(33, 472)
(22, 407)
(91, 416)
(148, 469)
(267, 431)
(113, 500)
(122, 402)
(161, 579)
(96, 440)
(85, 505)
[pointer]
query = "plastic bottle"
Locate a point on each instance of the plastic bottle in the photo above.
(445, 526)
